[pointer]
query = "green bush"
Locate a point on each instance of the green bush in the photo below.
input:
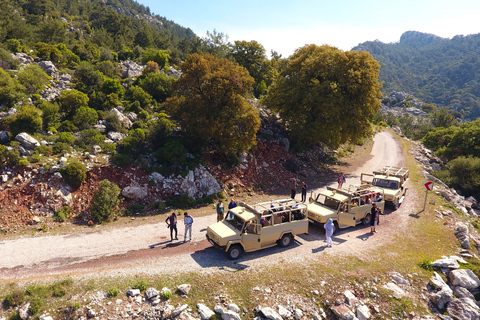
(167, 294)
(61, 147)
(158, 205)
(141, 285)
(14, 299)
(23, 162)
(181, 202)
(74, 173)
(113, 292)
(121, 160)
(44, 149)
(66, 137)
(62, 214)
(136, 207)
(105, 202)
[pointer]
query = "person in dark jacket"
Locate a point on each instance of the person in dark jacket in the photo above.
(172, 224)
(304, 191)
(375, 218)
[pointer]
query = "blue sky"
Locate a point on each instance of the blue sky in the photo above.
(284, 26)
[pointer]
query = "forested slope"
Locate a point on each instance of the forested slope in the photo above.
(437, 70)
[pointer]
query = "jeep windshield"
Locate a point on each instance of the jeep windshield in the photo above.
(384, 183)
(237, 222)
(328, 202)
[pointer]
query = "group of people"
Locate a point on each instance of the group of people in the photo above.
(293, 189)
(220, 208)
(172, 224)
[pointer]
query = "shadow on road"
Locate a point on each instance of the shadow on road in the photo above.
(167, 243)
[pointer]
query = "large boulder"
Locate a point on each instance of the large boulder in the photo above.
(463, 309)
(462, 234)
(464, 278)
(27, 141)
(136, 193)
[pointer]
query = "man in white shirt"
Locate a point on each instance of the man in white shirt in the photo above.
(188, 221)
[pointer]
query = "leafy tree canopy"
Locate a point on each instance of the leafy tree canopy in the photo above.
(326, 95)
(209, 102)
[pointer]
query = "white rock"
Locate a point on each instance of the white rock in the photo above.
(464, 278)
(204, 311)
(363, 312)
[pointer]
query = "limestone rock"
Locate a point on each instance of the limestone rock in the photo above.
(151, 293)
(397, 292)
(464, 278)
(204, 311)
(184, 288)
(284, 312)
(461, 292)
(462, 234)
(133, 292)
(135, 192)
(363, 312)
(463, 309)
(269, 313)
(342, 312)
(27, 141)
(445, 262)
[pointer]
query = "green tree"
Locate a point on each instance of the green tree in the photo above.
(85, 117)
(138, 94)
(28, 119)
(11, 91)
(110, 86)
(105, 203)
(250, 55)
(210, 103)
(33, 78)
(71, 100)
(74, 173)
(50, 114)
(157, 84)
(158, 56)
(87, 79)
(326, 95)
(443, 118)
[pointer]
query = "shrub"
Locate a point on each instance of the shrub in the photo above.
(159, 205)
(66, 137)
(167, 294)
(426, 264)
(113, 292)
(121, 160)
(61, 147)
(134, 208)
(74, 173)
(140, 284)
(44, 149)
(105, 203)
(181, 202)
(62, 214)
(75, 306)
(14, 299)
(23, 162)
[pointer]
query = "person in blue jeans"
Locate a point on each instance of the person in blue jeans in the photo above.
(231, 205)
(172, 224)
(188, 221)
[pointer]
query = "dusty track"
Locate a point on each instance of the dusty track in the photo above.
(147, 249)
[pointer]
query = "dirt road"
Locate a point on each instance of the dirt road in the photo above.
(147, 249)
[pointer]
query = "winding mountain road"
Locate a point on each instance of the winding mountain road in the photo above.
(146, 248)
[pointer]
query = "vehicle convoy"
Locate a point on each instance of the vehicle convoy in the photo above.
(392, 180)
(260, 226)
(346, 207)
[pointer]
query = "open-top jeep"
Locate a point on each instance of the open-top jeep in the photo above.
(392, 180)
(346, 207)
(259, 226)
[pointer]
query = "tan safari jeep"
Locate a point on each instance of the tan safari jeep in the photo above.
(346, 207)
(392, 180)
(260, 226)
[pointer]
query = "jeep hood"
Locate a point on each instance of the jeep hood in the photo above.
(320, 210)
(223, 229)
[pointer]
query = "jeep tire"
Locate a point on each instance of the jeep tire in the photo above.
(367, 220)
(234, 252)
(286, 240)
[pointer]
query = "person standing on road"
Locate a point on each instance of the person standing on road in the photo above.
(172, 224)
(293, 188)
(231, 205)
(329, 232)
(304, 191)
(188, 221)
(375, 218)
(220, 210)
(341, 180)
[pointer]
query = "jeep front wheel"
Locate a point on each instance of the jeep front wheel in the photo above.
(286, 240)
(234, 252)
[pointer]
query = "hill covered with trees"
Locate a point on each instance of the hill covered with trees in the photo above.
(442, 71)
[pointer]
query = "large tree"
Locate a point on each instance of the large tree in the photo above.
(210, 103)
(326, 95)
